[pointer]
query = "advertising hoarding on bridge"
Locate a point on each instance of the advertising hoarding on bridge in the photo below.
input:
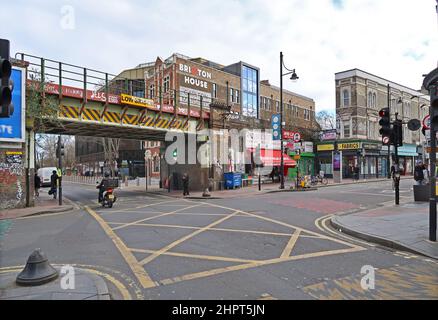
(12, 129)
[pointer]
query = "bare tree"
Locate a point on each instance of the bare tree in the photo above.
(326, 119)
(45, 151)
(111, 151)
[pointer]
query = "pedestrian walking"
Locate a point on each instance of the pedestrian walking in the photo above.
(37, 184)
(185, 179)
(425, 174)
(356, 173)
(53, 183)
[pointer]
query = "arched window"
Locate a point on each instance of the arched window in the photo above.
(374, 100)
(370, 99)
(346, 97)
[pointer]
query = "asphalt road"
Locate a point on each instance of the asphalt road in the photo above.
(270, 246)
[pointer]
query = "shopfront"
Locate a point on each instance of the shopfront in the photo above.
(407, 155)
(323, 158)
(305, 159)
(363, 157)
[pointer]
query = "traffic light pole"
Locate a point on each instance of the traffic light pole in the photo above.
(388, 161)
(60, 168)
(397, 167)
(432, 199)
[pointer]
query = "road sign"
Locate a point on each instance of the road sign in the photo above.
(426, 122)
(276, 128)
(385, 140)
(297, 137)
(414, 124)
(12, 129)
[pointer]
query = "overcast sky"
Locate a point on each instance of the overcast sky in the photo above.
(395, 39)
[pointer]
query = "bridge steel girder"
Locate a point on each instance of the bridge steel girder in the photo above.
(118, 121)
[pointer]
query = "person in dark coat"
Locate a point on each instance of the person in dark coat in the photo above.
(53, 183)
(185, 179)
(37, 183)
(419, 173)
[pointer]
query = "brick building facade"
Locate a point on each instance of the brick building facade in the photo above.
(359, 97)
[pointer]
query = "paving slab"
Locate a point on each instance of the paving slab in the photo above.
(88, 286)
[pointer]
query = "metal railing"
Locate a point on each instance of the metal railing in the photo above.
(61, 74)
(66, 74)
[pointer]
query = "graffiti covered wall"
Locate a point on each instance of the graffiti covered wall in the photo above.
(12, 179)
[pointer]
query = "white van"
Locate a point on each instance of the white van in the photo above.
(44, 174)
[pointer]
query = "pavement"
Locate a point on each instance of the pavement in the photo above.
(404, 227)
(87, 286)
(265, 189)
(43, 204)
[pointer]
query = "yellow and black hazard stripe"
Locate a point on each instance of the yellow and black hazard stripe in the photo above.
(69, 112)
(90, 115)
(148, 121)
(113, 117)
(185, 125)
(200, 125)
(130, 119)
(162, 123)
(176, 124)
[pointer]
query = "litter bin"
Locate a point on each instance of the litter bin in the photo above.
(232, 180)
(421, 192)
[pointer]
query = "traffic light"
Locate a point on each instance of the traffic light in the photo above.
(434, 108)
(385, 123)
(59, 150)
(6, 86)
(398, 133)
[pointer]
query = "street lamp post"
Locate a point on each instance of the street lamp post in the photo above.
(293, 77)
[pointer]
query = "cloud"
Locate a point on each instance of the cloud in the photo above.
(396, 40)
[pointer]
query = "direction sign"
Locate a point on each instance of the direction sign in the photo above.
(276, 131)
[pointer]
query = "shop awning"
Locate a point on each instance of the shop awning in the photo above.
(273, 158)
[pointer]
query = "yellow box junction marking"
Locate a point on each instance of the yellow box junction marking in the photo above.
(285, 256)
(136, 268)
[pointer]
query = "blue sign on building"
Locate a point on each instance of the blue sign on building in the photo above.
(12, 129)
(276, 127)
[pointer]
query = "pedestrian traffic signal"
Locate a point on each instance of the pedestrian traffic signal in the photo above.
(398, 133)
(6, 85)
(434, 107)
(385, 123)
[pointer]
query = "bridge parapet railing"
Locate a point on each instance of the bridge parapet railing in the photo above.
(64, 78)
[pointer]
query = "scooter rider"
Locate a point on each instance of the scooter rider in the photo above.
(102, 186)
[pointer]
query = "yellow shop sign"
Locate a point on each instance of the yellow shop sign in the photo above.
(325, 147)
(351, 145)
(136, 101)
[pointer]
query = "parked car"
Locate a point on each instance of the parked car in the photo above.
(44, 174)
